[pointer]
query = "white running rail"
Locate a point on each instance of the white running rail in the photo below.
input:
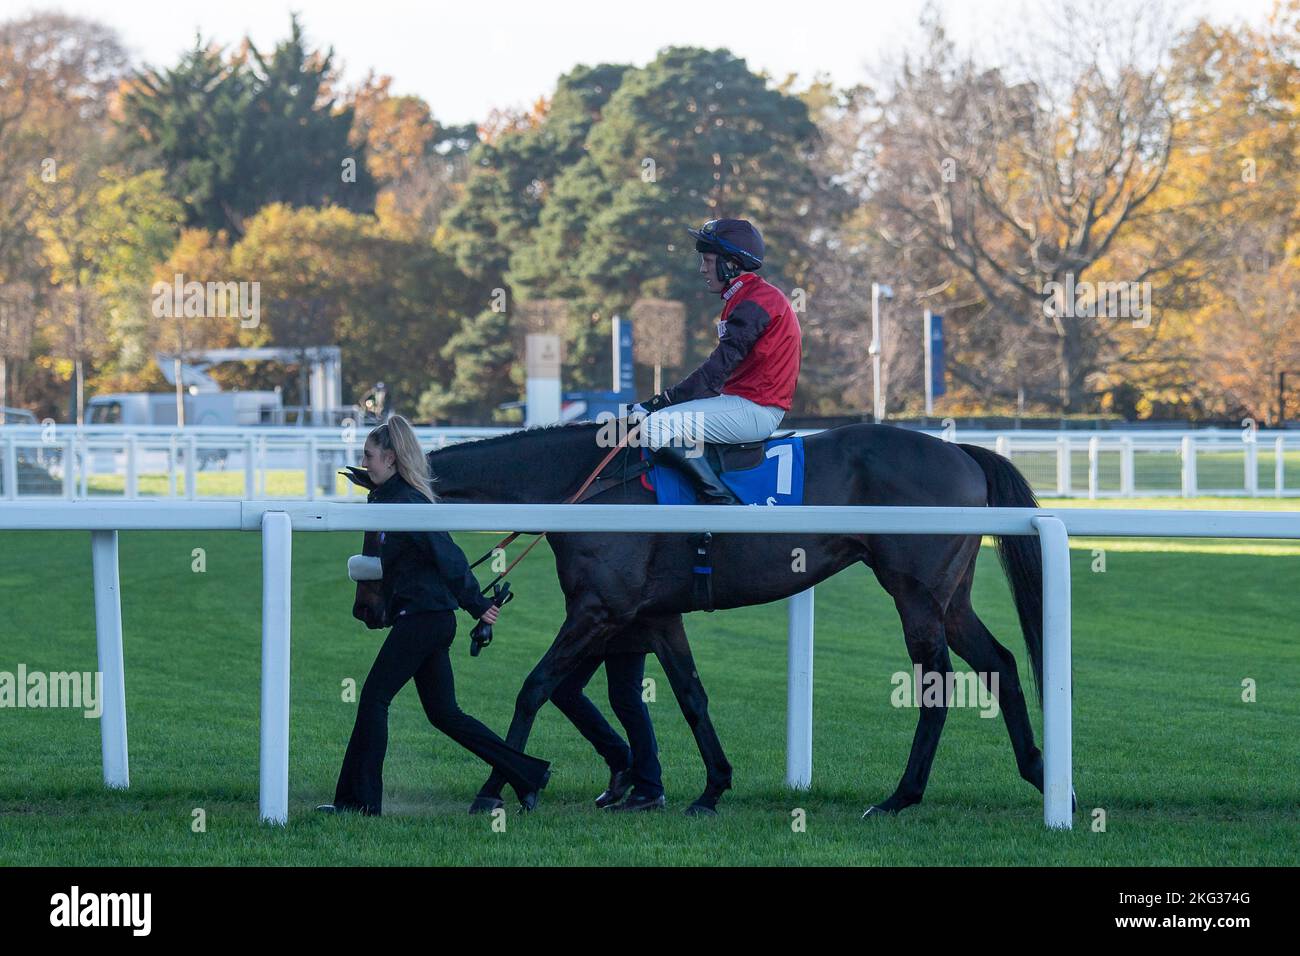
(129, 462)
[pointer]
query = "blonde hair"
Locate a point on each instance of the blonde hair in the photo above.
(397, 436)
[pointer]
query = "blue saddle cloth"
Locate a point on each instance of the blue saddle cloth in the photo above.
(776, 480)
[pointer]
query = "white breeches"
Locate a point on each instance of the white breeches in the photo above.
(718, 419)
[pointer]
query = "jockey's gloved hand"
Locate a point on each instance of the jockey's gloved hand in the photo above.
(653, 403)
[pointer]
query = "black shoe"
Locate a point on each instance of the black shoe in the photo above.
(484, 804)
(620, 782)
(528, 802)
(701, 473)
(637, 802)
(333, 808)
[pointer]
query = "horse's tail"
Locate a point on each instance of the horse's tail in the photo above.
(1020, 555)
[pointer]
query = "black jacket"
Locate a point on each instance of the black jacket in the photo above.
(423, 570)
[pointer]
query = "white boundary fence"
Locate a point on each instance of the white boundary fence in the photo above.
(165, 462)
(73, 456)
(278, 520)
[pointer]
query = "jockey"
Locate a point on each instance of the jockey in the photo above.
(744, 388)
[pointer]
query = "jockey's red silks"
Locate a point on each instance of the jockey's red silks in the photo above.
(769, 373)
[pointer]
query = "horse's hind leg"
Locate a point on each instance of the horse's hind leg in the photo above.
(669, 643)
(968, 636)
(923, 630)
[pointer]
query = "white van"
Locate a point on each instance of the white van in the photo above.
(205, 408)
(18, 416)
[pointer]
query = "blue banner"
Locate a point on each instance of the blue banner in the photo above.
(936, 355)
(626, 380)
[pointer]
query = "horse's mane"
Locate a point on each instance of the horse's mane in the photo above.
(526, 433)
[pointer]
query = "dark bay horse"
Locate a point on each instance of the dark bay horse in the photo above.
(628, 590)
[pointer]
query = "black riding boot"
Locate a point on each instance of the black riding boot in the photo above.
(701, 474)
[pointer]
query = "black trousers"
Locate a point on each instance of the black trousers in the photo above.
(417, 646)
(624, 674)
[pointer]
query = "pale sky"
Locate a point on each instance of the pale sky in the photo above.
(465, 58)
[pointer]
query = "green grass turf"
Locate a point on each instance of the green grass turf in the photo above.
(1186, 772)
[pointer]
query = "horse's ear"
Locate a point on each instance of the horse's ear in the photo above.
(358, 476)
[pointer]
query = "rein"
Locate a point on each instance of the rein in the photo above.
(575, 497)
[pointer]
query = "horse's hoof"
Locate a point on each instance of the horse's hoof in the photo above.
(700, 810)
(486, 804)
(528, 802)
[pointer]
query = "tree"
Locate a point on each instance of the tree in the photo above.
(55, 74)
(416, 162)
(100, 231)
(297, 150)
(391, 302)
(1237, 86)
(514, 168)
(1019, 188)
(241, 132)
(192, 121)
(591, 202)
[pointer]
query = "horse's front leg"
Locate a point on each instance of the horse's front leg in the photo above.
(585, 631)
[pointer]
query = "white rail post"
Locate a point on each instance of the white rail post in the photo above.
(10, 468)
(261, 465)
(171, 465)
(799, 700)
(108, 637)
(1189, 466)
(277, 566)
(1062, 466)
(1279, 467)
(250, 472)
(69, 467)
(311, 467)
(1058, 786)
(191, 468)
(1252, 464)
(132, 451)
(1094, 456)
(1002, 445)
(1126, 483)
(84, 442)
